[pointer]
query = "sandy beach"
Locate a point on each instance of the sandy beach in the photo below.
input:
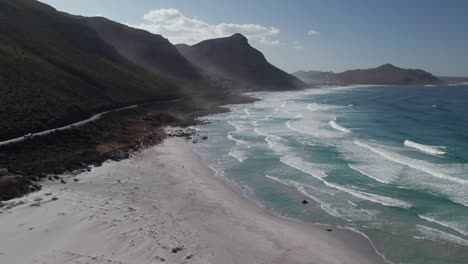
(162, 205)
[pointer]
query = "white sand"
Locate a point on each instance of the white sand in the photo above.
(165, 199)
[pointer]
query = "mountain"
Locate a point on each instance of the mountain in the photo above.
(234, 62)
(387, 74)
(55, 69)
(157, 55)
(316, 77)
(151, 51)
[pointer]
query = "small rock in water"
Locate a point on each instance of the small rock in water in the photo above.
(305, 202)
(177, 249)
(329, 229)
(205, 138)
(75, 180)
(54, 198)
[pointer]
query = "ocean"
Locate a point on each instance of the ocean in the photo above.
(389, 162)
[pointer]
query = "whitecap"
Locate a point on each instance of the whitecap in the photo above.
(238, 127)
(433, 150)
(439, 236)
(338, 127)
(238, 154)
(412, 163)
(450, 225)
(238, 141)
(302, 165)
(274, 143)
(354, 167)
(383, 200)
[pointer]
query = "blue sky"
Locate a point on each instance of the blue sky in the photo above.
(430, 34)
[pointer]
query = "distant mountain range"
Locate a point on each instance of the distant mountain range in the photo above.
(385, 74)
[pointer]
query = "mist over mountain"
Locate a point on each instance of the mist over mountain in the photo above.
(151, 51)
(316, 77)
(384, 74)
(239, 64)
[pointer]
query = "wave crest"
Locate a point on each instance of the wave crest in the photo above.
(338, 127)
(433, 150)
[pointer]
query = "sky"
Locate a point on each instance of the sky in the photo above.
(327, 35)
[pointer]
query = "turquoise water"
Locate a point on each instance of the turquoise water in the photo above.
(389, 162)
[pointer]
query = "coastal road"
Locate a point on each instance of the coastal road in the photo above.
(74, 125)
(77, 124)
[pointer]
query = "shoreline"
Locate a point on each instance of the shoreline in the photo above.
(239, 189)
(162, 205)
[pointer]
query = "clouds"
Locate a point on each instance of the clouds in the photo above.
(178, 28)
(312, 32)
(297, 45)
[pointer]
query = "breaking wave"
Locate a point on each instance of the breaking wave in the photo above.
(433, 150)
(338, 127)
(412, 163)
(439, 236)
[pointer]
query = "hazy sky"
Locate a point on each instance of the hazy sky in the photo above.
(310, 34)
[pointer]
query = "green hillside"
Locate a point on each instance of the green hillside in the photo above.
(55, 69)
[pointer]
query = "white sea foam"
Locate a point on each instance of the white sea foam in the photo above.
(325, 207)
(270, 115)
(247, 112)
(238, 141)
(412, 163)
(288, 125)
(338, 127)
(370, 240)
(452, 226)
(312, 107)
(319, 107)
(311, 169)
(439, 236)
(351, 203)
(367, 174)
(302, 165)
(383, 200)
(260, 133)
(433, 150)
(238, 154)
(274, 143)
(238, 127)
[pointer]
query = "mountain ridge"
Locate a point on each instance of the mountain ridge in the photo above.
(383, 74)
(235, 60)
